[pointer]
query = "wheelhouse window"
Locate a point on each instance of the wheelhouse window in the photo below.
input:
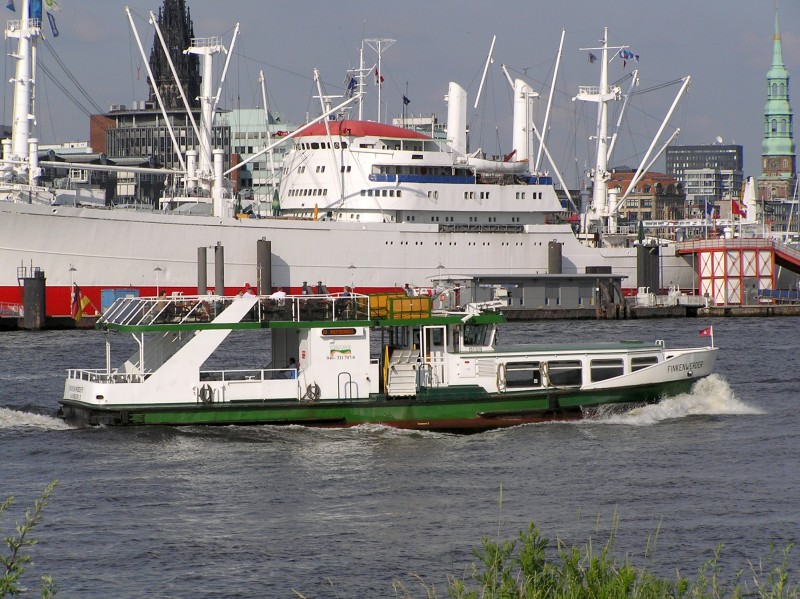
(477, 335)
(606, 369)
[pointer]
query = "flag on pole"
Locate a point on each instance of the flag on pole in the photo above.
(10, 6)
(79, 303)
(53, 26)
(351, 86)
(592, 57)
(736, 208)
(52, 5)
(406, 101)
(36, 9)
(706, 332)
(378, 77)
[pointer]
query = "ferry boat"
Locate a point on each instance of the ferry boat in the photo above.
(346, 359)
(365, 202)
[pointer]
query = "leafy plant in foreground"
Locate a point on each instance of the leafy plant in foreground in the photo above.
(14, 562)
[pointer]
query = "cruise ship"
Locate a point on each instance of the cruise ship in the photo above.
(362, 203)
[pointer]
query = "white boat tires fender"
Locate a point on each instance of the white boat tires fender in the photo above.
(206, 393)
(312, 392)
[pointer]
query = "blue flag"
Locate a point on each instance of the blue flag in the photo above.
(36, 9)
(10, 6)
(53, 27)
(406, 101)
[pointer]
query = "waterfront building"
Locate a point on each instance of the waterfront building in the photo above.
(249, 134)
(657, 196)
(709, 174)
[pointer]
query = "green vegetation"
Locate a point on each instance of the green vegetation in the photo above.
(521, 568)
(14, 562)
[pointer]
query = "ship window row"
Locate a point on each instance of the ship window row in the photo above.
(437, 171)
(535, 195)
(433, 195)
(254, 149)
(564, 373)
(345, 169)
(381, 193)
(471, 195)
(322, 145)
(320, 168)
(308, 192)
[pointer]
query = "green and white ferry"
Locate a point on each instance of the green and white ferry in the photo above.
(382, 358)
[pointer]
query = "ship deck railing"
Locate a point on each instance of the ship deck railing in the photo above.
(101, 375)
(165, 312)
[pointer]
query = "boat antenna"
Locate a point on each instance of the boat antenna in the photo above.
(380, 45)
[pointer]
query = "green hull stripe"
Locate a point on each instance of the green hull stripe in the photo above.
(431, 409)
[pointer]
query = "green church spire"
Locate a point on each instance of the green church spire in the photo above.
(778, 130)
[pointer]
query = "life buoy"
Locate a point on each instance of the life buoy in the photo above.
(206, 393)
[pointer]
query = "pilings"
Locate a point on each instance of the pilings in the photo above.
(34, 302)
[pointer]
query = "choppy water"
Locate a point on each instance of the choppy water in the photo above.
(259, 511)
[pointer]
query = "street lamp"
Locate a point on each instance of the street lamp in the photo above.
(352, 269)
(157, 270)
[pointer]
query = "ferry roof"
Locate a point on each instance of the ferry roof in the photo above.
(349, 128)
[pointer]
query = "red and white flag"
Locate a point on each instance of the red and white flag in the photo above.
(706, 332)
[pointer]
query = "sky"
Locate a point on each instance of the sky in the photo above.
(725, 45)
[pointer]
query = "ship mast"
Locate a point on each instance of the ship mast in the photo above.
(380, 45)
(602, 95)
(23, 148)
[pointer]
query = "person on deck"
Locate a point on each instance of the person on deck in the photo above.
(292, 373)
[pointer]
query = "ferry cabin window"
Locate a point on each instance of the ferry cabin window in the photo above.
(523, 374)
(563, 373)
(477, 335)
(637, 363)
(606, 369)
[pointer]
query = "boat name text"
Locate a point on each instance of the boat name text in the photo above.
(685, 366)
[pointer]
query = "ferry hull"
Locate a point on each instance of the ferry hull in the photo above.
(456, 410)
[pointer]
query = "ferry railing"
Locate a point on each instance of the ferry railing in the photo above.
(12, 310)
(277, 307)
(99, 375)
(178, 309)
(247, 374)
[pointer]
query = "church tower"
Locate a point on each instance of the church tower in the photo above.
(778, 158)
(175, 23)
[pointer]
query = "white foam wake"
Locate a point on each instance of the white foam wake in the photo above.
(709, 396)
(15, 419)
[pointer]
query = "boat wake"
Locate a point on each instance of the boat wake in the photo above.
(18, 419)
(711, 396)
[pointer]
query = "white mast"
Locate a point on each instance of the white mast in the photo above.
(206, 48)
(27, 30)
(379, 45)
(602, 95)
